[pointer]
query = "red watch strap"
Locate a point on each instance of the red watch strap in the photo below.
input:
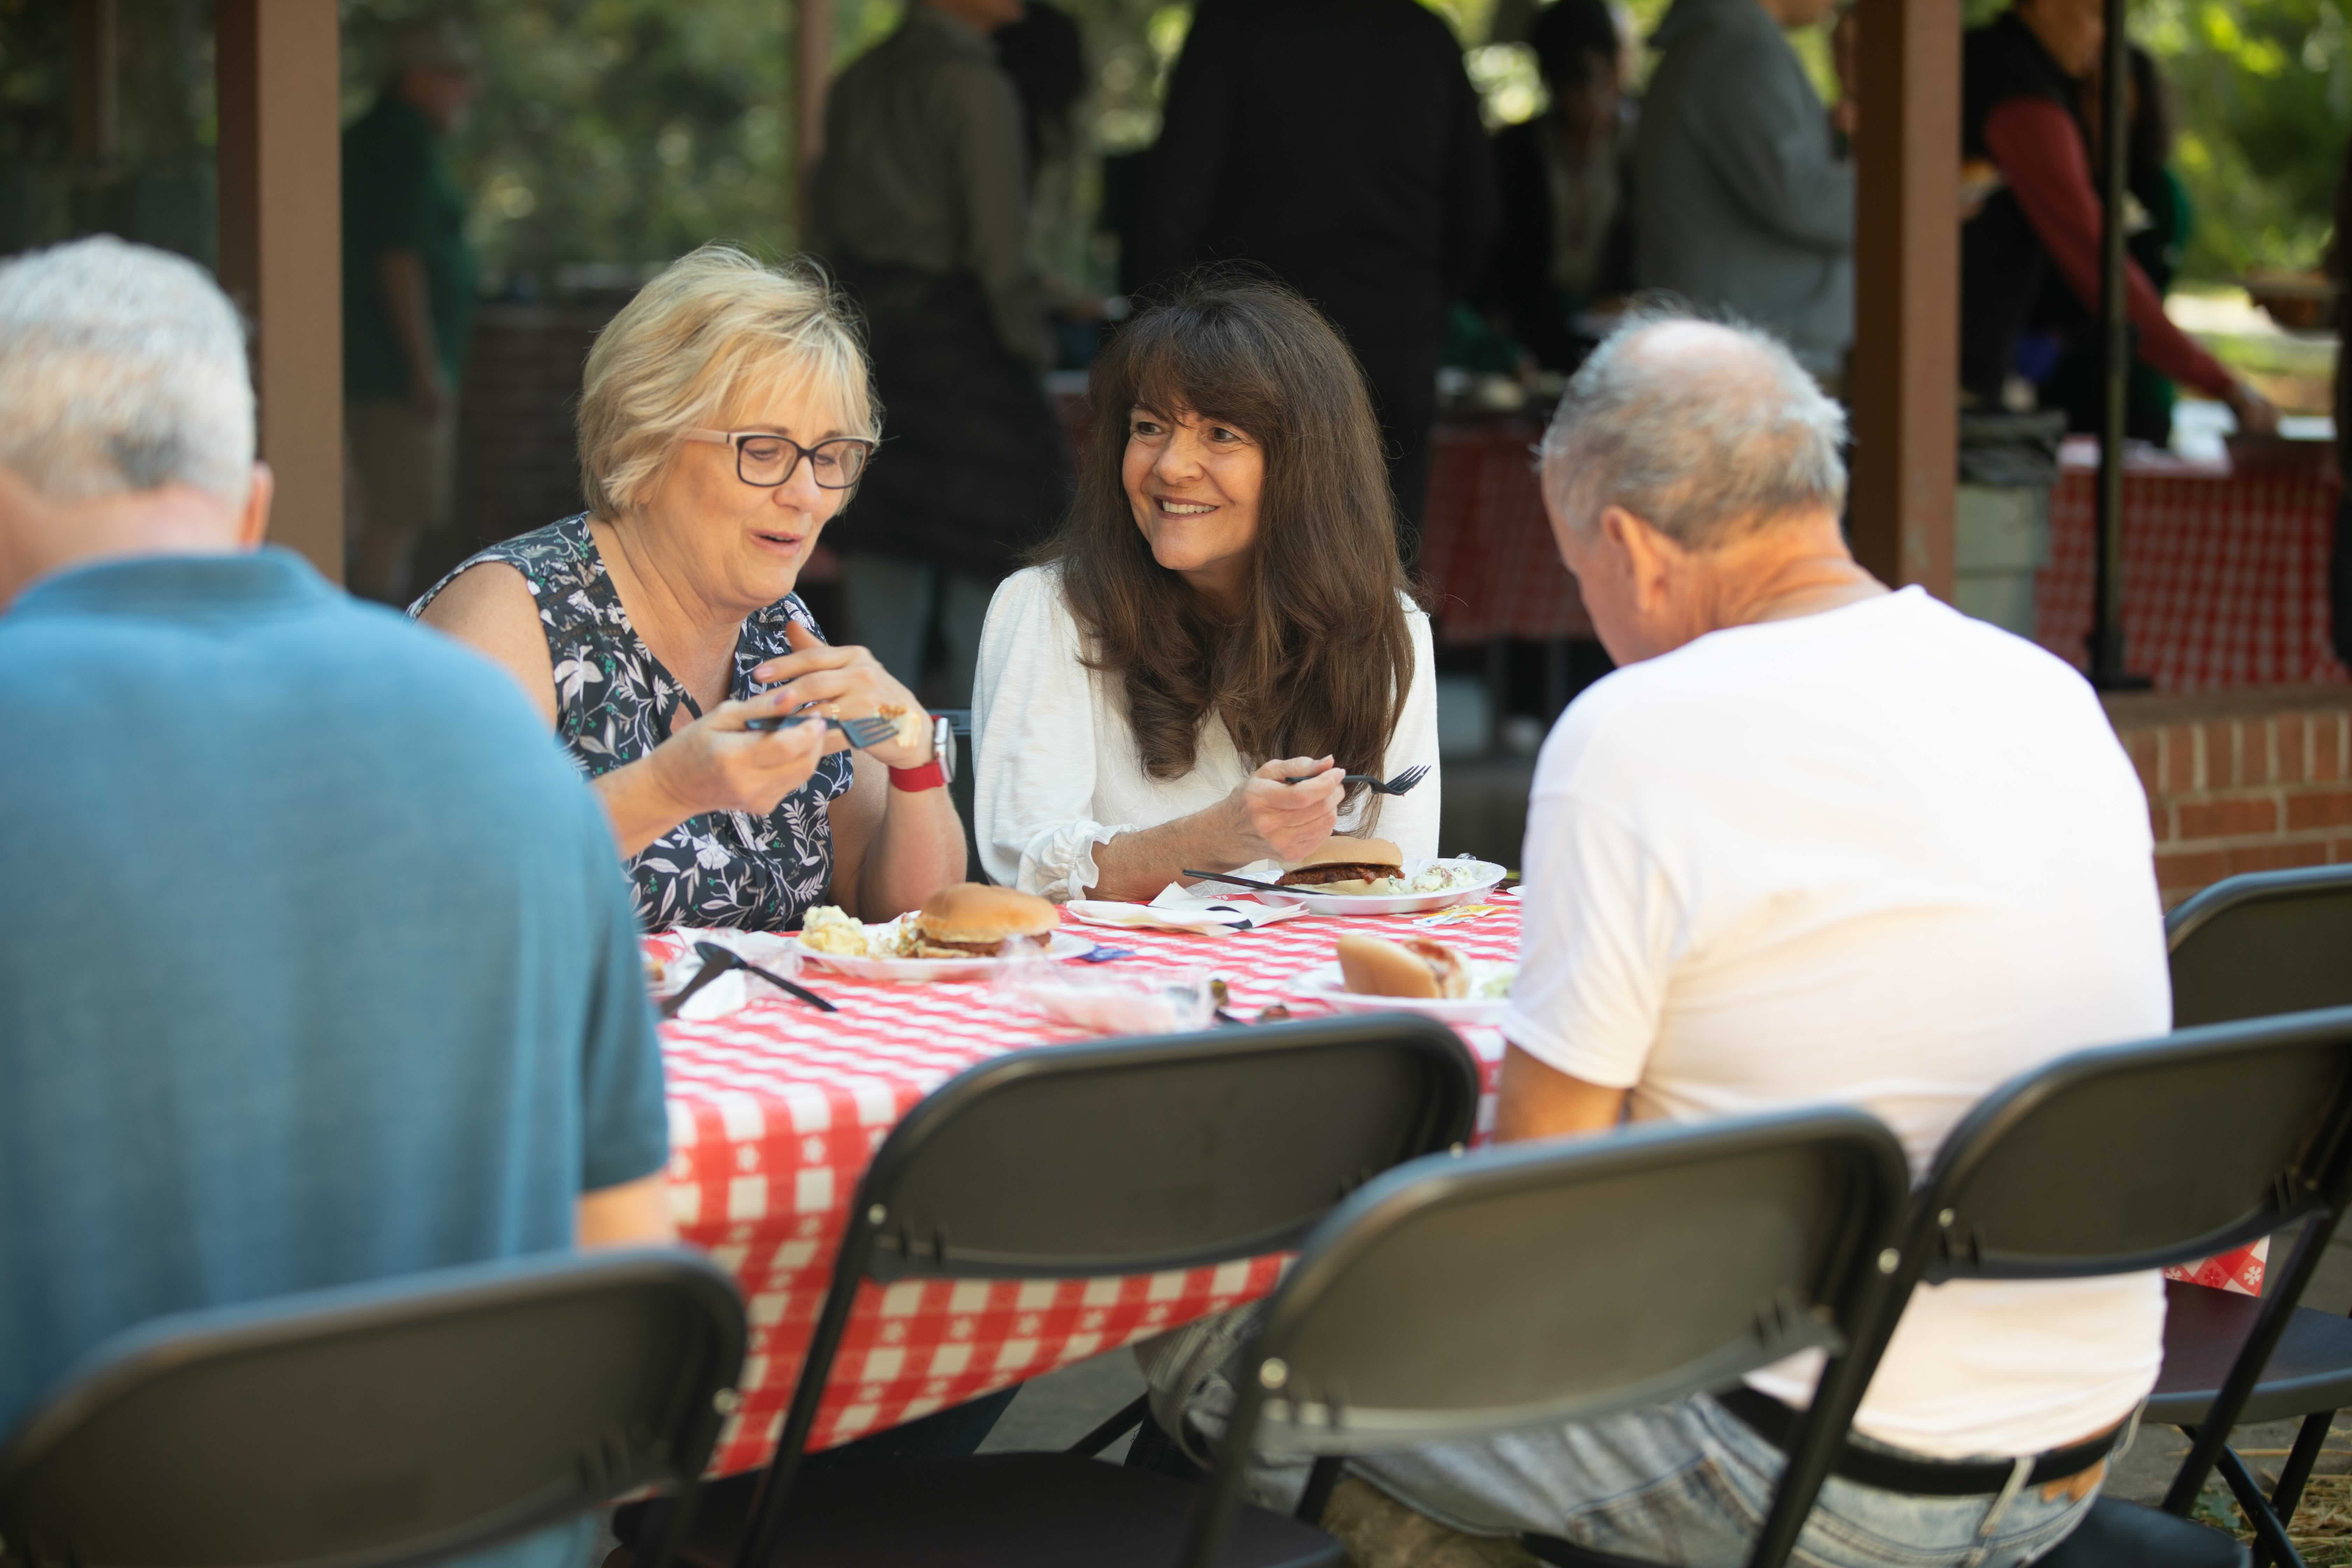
(930, 775)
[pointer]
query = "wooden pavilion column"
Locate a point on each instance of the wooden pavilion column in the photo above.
(812, 76)
(1904, 389)
(281, 258)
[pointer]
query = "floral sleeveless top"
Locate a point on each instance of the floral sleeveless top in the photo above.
(614, 703)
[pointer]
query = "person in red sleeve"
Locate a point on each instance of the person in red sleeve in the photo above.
(2019, 112)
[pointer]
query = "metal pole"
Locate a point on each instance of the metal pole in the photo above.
(2107, 671)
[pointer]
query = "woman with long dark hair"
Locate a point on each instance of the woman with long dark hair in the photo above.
(1221, 613)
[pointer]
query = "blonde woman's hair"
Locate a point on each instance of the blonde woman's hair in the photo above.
(713, 324)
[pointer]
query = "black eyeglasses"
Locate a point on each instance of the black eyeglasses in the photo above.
(767, 459)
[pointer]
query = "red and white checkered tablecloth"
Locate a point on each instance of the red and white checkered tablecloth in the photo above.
(1486, 547)
(775, 1110)
(2225, 573)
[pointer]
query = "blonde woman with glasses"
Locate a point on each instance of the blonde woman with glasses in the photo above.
(724, 420)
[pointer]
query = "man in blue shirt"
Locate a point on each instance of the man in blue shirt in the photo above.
(316, 964)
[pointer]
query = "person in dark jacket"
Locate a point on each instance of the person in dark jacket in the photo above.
(2160, 228)
(921, 208)
(1337, 143)
(2021, 114)
(1567, 236)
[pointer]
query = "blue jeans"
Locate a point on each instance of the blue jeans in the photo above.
(1689, 1484)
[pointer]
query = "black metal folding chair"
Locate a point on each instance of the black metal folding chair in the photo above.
(2262, 944)
(2083, 1167)
(1459, 1297)
(1115, 1157)
(398, 1422)
(2256, 946)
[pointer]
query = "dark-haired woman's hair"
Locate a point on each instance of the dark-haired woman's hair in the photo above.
(1320, 658)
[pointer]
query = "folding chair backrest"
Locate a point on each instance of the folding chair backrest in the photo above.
(1130, 1156)
(2268, 942)
(1565, 1279)
(1127, 1156)
(380, 1423)
(2137, 1156)
(1561, 1280)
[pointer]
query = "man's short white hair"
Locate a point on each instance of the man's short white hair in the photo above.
(1716, 429)
(121, 368)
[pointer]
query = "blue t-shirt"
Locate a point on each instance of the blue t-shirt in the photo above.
(317, 964)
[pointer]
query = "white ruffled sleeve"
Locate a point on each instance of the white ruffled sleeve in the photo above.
(1034, 737)
(1409, 821)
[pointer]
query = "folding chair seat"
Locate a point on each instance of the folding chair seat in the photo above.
(1113, 1157)
(398, 1422)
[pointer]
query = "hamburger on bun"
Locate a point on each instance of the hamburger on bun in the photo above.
(1350, 865)
(1416, 966)
(972, 920)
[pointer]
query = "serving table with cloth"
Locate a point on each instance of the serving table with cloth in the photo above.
(2225, 565)
(774, 1110)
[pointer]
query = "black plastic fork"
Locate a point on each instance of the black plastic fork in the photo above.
(1397, 785)
(864, 733)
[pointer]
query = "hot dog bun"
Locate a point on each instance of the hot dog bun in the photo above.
(1373, 966)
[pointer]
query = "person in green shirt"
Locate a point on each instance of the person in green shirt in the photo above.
(408, 305)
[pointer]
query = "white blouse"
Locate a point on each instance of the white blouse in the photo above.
(1057, 771)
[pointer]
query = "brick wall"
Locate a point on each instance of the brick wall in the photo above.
(2240, 781)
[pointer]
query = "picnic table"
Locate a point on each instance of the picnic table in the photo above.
(775, 1110)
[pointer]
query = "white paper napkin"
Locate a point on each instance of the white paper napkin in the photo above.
(1203, 911)
(733, 991)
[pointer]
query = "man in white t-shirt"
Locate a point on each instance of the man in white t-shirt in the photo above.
(1814, 841)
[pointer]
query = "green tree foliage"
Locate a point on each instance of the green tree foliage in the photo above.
(2264, 92)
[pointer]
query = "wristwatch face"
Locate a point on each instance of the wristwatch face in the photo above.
(943, 747)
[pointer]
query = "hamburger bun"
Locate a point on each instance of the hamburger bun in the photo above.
(1370, 967)
(1355, 862)
(972, 920)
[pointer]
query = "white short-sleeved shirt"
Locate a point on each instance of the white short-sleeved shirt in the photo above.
(1884, 856)
(1057, 771)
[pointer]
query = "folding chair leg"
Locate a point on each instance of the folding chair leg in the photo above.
(1320, 1480)
(1127, 1417)
(2271, 1543)
(2287, 1496)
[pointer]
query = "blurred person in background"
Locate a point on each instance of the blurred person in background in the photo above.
(1566, 241)
(315, 967)
(1338, 143)
(408, 304)
(921, 208)
(1742, 201)
(1045, 54)
(2021, 111)
(2158, 220)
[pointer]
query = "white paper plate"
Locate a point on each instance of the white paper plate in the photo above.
(1489, 874)
(918, 970)
(1323, 983)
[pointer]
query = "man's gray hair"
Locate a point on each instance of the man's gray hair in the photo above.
(121, 368)
(1700, 441)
